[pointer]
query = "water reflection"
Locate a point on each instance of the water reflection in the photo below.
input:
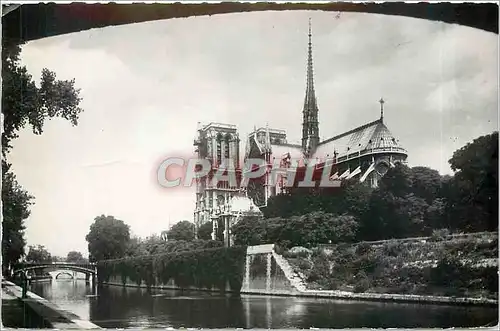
(67, 293)
(117, 307)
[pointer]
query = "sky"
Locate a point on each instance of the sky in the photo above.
(146, 86)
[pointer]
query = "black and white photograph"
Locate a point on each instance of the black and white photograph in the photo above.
(249, 165)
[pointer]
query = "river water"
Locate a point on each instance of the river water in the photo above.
(117, 307)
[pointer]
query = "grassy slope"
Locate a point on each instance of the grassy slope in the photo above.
(451, 266)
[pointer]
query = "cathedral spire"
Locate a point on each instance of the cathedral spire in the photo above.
(310, 128)
(381, 101)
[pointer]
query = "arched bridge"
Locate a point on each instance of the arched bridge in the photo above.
(49, 19)
(86, 268)
(72, 276)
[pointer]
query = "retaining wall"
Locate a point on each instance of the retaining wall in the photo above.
(268, 273)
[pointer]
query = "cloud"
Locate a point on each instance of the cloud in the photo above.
(145, 86)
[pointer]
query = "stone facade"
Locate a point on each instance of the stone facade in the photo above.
(365, 153)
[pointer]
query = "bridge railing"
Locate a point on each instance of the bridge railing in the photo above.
(90, 268)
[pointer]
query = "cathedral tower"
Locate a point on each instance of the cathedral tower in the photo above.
(217, 143)
(310, 125)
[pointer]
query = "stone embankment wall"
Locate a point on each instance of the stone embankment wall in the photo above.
(281, 279)
(53, 315)
(265, 273)
(268, 273)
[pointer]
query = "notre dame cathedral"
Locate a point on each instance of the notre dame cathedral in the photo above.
(364, 153)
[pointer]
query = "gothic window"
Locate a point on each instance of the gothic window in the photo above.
(209, 148)
(219, 151)
(220, 200)
(226, 147)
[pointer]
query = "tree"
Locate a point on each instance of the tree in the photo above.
(248, 231)
(397, 180)
(318, 227)
(183, 230)
(153, 245)
(25, 103)
(355, 198)
(74, 256)
(135, 247)
(435, 217)
(426, 183)
(398, 207)
(38, 254)
(302, 200)
(108, 238)
(16, 202)
(473, 193)
(205, 231)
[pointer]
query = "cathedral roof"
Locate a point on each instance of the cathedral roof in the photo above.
(374, 135)
(280, 151)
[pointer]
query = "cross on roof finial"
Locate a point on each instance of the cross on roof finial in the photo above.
(381, 108)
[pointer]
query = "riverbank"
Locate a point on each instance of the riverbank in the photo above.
(341, 295)
(41, 279)
(119, 307)
(44, 314)
(15, 315)
(391, 271)
(460, 269)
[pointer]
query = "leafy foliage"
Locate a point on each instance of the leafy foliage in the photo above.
(409, 202)
(307, 230)
(407, 266)
(15, 202)
(249, 231)
(183, 230)
(154, 245)
(38, 254)
(205, 231)
(412, 202)
(74, 256)
(56, 258)
(472, 194)
(208, 269)
(23, 102)
(108, 238)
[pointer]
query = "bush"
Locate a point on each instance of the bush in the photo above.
(393, 248)
(439, 235)
(332, 284)
(280, 250)
(205, 231)
(320, 269)
(297, 254)
(362, 283)
(303, 264)
(362, 248)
